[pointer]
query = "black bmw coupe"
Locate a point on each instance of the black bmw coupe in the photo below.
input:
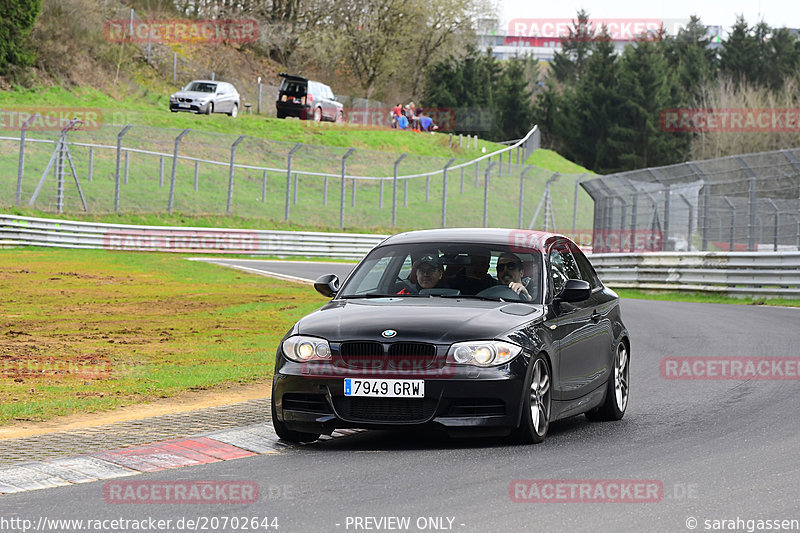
(490, 331)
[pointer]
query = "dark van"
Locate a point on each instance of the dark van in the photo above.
(306, 99)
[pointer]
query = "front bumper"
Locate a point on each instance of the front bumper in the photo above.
(461, 400)
(192, 107)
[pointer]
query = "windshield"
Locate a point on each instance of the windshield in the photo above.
(460, 271)
(201, 87)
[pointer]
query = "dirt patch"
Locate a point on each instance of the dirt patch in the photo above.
(187, 401)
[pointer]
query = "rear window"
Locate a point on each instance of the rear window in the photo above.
(293, 87)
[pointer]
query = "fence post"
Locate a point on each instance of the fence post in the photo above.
(196, 175)
(174, 169)
(353, 196)
(264, 187)
(706, 198)
(325, 191)
(380, 196)
(258, 105)
(522, 193)
(462, 180)
(575, 205)
(751, 223)
(91, 163)
(444, 191)
(691, 223)
(427, 188)
(667, 194)
(777, 224)
(116, 178)
(394, 190)
(733, 222)
(341, 199)
(21, 166)
(289, 180)
(486, 193)
(230, 172)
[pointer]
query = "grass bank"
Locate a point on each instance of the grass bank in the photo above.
(85, 331)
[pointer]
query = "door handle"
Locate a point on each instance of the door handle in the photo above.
(595, 316)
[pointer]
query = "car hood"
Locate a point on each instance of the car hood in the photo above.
(195, 95)
(441, 321)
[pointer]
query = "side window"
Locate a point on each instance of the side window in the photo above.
(562, 266)
(587, 271)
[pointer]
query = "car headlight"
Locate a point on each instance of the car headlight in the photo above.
(300, 349)
(482, 353)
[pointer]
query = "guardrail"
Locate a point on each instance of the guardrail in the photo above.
(27, 231)
(775, 274)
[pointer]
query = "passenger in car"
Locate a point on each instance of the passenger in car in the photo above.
(428, 271)
(474, 277)
(509, 272)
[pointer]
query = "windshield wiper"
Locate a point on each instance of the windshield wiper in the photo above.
(376, 295)
(473, 297)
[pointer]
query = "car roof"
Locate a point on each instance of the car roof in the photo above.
(522, 238)
(292, 77)
(206, 81)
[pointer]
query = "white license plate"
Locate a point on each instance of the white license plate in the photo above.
(184, 105)
(385, 388)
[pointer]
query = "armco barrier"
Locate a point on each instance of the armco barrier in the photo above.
(26, 231)
(773, 274)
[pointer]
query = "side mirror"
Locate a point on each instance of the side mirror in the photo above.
(328, 285)
(575, 290)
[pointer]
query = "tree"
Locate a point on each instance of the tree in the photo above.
(568, 64)
(513, 97)
(739, 58)
(650, 87)
(18, 17)
(598, 100)
(691, 56)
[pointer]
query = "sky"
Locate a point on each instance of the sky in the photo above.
(711, 12)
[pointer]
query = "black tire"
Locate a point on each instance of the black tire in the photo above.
(234, 111)
(536, 403)
(210, 108)
(318, 115)
(289, 435)
(340, 117)
(281, 115)
(617, 389)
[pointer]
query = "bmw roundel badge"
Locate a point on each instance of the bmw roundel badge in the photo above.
(389, 333)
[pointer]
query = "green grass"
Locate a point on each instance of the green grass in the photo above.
(91, 330)
(151, 109)
(702, 297)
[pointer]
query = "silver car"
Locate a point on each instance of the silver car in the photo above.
(206, 96)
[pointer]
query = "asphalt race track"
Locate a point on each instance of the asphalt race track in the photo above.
(719, 449)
